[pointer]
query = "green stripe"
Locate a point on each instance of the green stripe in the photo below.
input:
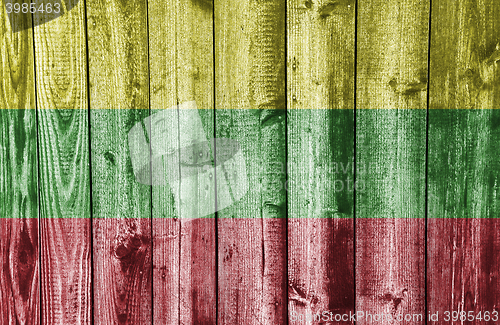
(463, 163)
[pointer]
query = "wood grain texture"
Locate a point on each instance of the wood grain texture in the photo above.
(195, 81)
(250, 108)
(61, 74)
(390, 158)
(184, 275)
(463, 238)
(320, 126)
(19, 255)
(162, 22)
(119, 93)
(304, 143)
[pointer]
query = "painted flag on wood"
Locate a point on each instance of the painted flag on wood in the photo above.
(337, 162)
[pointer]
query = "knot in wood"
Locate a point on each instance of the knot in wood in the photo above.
(127, 245)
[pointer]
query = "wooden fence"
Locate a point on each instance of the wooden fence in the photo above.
(371, 143)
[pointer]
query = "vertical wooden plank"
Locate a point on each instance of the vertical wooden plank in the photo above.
(463, 229)
(250, 108)
(182, 73)
(162, 23)
(19, 255)
(119, 93)
(320, 159)
(390, 160)
(195, 82)
(61, 75)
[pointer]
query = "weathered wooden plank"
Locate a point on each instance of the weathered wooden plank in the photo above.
(162, 22)
(19, 256)
(390, 160)
(195, 82)
(61, 74)
(250, 108)
(119, 93)
(464, 170)
(181, 50)
(320, 140)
